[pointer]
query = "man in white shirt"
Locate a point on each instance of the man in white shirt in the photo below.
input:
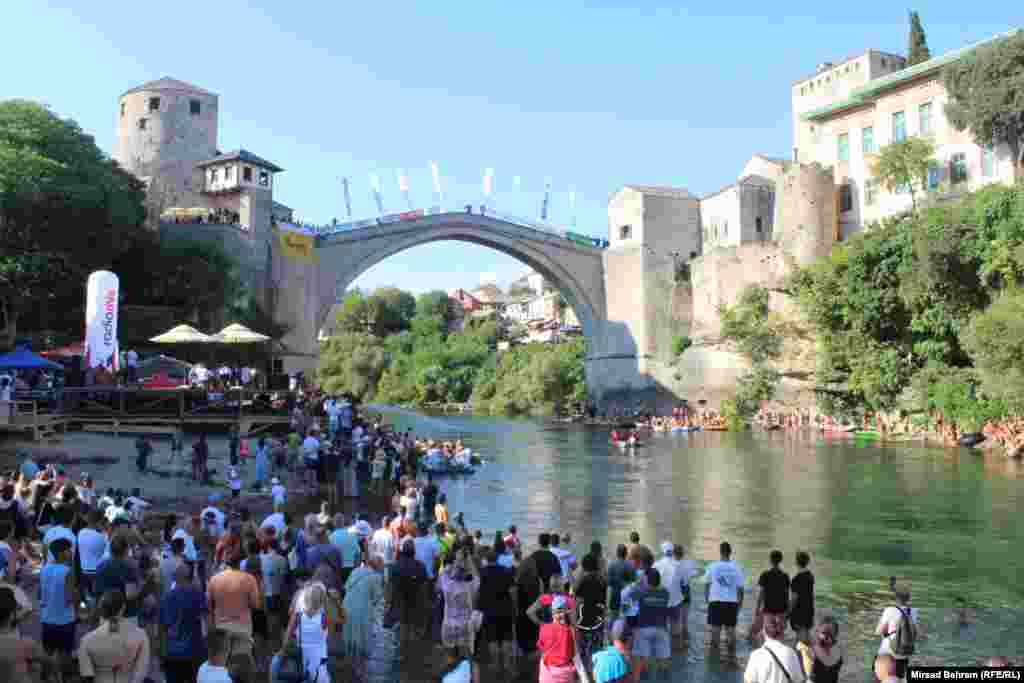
(889, 625)
(675, 577)
(427, 546)
(723, 591)
(774, 662)
(383, 541)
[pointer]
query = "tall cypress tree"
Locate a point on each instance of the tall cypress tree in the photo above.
(917, 50)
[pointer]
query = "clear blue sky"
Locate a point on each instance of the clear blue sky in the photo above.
(592, 95)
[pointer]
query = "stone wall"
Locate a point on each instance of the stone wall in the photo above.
(719, 276)
(805, 212)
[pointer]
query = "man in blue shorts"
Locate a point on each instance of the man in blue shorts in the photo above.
(611, 665)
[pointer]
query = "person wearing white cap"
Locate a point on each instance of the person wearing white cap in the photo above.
(676, 574)
(278, 491)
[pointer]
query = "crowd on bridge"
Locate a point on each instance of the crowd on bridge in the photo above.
(367, 587)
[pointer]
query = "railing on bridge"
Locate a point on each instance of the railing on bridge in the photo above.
(326, 231)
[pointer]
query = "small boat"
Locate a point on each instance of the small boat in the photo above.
(840, 429)
(686, 429)
(628, 443)
(448, 468)
(716, 428)
(971, 439)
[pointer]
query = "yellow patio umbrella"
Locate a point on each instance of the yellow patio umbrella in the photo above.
(239, 334)
(182, 334)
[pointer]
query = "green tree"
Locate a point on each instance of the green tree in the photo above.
(904, 164)
(199, 276)
(986, 95)
(352, 363)
(917, 49)
(352, 315)
(747, 324)
(395, 309)
(434, 304)
(995, 340)
(65, 210)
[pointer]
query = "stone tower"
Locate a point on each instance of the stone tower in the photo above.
(166, 127)
(806, 224)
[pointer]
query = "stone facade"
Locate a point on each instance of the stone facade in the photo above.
(166, 127)
(805, 212)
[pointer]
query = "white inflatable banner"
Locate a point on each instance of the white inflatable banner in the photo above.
(101, 299)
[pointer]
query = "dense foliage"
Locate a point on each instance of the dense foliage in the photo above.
(66, 209)
(986, 95)
(922, 312)
(749, 325)
(416, 359)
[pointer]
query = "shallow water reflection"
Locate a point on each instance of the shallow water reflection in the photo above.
(945, 520)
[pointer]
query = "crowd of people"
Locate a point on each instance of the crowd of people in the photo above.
(126, 593)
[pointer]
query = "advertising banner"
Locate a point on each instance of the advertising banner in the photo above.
(297, 246)
(101, 303)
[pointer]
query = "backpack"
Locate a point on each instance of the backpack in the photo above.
(903, 639)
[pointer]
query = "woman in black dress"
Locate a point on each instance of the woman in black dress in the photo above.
(801, 613)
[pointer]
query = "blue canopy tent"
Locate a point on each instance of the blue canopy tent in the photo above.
(23, 359)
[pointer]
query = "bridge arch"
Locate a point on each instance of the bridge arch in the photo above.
(576, 271)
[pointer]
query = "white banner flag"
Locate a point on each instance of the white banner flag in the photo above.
(375, 183)
(101, 304)
(403, 182)
(572, 205)
(488, 182)
(436, 173)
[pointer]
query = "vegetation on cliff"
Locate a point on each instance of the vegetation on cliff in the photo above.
(923, 312)
(749, 324)
(396, 348)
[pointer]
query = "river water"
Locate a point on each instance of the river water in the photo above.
(947, 521)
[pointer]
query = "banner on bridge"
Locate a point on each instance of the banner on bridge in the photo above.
(297, 243)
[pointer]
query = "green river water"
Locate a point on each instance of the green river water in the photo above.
(948, 521)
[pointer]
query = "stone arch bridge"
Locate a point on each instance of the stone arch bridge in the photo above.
(305, 294)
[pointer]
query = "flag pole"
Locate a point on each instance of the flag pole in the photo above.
(375, 183)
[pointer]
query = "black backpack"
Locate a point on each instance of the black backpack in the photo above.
(903, 639)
